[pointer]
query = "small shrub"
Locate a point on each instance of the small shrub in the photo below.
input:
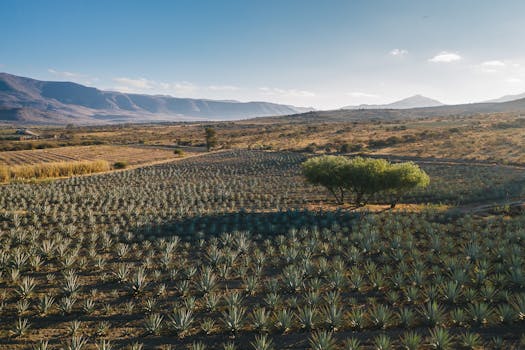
(120, 165)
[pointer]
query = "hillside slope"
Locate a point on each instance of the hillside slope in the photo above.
(26, 100)
(416, 101)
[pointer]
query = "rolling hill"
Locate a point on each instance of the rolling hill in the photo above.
(29, 101)
(507, 98)
(416, 101)
(356, 115)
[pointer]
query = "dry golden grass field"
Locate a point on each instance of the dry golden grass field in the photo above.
(498, 138)
(133, 155)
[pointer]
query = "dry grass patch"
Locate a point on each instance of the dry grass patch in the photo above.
(52, 170)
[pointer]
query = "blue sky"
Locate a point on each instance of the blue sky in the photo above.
(324, 54)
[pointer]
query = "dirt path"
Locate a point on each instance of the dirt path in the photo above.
(512, 207)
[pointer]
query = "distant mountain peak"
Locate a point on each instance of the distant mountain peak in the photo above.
(415, 101)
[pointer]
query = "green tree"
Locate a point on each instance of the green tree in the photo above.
(402, 177)
(363, 178)
(329, 172)
(211, 137)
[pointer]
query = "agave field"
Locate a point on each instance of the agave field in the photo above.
(219, 252)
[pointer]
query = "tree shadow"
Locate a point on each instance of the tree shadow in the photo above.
(263, 224)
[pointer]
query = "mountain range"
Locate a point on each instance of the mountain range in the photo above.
(355, 115)
(30, 101)
(416, 101)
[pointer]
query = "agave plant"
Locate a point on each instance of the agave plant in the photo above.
(233, 319)
(136, 346)
(480, 313)
(102, 328)
(251, 283)
(150, 305)
(352, 344)
(433, 314)
(272, 300)
(498, 343)
(41, 345)
(229, 346)
(284, 320)
(88, 305)
(411, 341)
(506, 314)
(357, 319)
(22, 306)
(260, 319)
(71, 284)
(333, 316)
(211, 301)
(207, 325)
(75, 343)
(207, 281)
(307, 317)
(382, 342)
(262, 342)
(451, 292)
(73, 327)
(406, 317)
(153, 324)
(381, 316)
(25, 287)
(197, 346)
(458, 317)
(66, 305)
(322, 340)
(104, 345)
(138, 281)
(180, 321)
(518, 302)
(21, 327)
(440, 339)
(470, 341)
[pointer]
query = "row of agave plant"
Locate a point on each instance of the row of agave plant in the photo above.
(180, 198)
(377, 281)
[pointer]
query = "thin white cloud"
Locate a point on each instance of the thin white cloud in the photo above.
(446, 57)
(286, 92)
(140, 83)
(514, 80)
(494, 63)
(65, 74)
(76, 77)
(493, 66)
(182, 88)
(126, 84)
(223, 88)
(398, 52)
(358, 94)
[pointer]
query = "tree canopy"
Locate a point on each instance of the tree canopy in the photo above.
(211, 137)
(362, 178)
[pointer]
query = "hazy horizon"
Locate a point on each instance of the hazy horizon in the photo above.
(298, 52)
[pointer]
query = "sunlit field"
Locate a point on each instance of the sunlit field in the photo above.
(217, 251)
